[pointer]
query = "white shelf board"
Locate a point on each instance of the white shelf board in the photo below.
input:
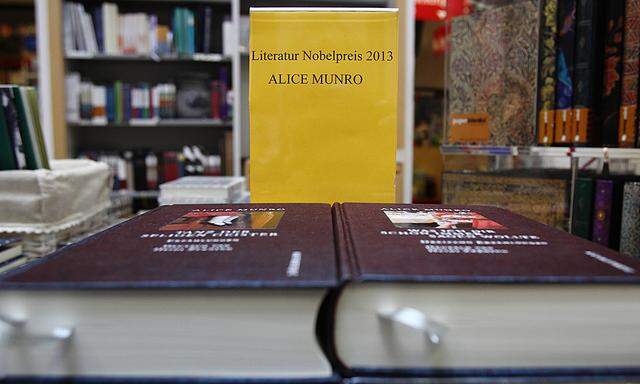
(578, 152)
(156, 123)
(196, 57)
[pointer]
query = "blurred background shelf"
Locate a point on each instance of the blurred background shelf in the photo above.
(215, 123)
(198, 57)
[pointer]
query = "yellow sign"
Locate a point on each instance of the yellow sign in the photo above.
(323, 104)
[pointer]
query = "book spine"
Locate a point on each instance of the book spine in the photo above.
(586, 72)
(602, 211)
(99, 30)
(111, 104)
(628, 109)
(7, 154)
(582, 208)
(23, 124)
(11, 116)
(224, 81)
(344, 262)
(207, 30)
(547, 71)
(564, 70)
(612, 83)
(191, 34)
(630, 232)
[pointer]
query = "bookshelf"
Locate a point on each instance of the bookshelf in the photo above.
(623, 160)
(67, 137)
(72, 136)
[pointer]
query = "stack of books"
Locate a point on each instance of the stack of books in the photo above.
(11, 255)
(294, 293)
(103, 29)
(21, 139)
(203, 190)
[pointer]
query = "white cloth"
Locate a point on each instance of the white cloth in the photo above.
(45, 201)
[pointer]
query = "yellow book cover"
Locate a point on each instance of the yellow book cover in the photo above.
(323, 104)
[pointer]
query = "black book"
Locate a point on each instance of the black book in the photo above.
(588, 70)
(7, 154)
(139, 171)
(612, 72)
(564, 70)
(13, 126)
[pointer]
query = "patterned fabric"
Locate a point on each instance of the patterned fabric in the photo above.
(565, 51)
(492, 69)
(547, 85)
(631, 52)
(613, 53)
(630, 232)
(537, 198)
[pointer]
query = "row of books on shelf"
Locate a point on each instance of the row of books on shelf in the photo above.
(606, 210)
(103, 29)
(121, 102)
(568, 68)
(18, 52)
(144, 170)
(22, 143)
(318, 293)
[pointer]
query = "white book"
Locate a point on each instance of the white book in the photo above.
(77, 27)
(72, 96)
(228, 36)
(99, 104)
(213, 189)
(152, 34)
(69, 45)
(89, 32)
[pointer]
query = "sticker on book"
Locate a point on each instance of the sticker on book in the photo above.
(441, 220)
(198, 220)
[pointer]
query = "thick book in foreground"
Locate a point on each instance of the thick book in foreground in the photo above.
(205, 291)
(447, 290)
(288, 291)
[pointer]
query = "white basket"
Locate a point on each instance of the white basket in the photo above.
(50, 201)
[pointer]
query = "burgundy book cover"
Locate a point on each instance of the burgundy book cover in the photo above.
(443, 243)
(198, 246)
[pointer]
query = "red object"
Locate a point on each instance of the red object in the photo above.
(440, 10)
(170, 167)
(439, 40)
(215, 99)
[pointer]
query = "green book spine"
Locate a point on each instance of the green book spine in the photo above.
(27, 140)
(7, 160)
(32, 95)
(582, 208)
(117, 90)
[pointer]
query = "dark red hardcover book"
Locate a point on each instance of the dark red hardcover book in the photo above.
(150, 251)
(184, 291)
(477, 290)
